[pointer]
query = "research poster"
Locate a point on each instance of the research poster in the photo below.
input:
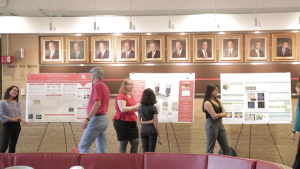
(174, 94)
(256, 98)
(57, 97)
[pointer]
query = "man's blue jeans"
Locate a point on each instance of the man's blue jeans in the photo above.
(96, 130)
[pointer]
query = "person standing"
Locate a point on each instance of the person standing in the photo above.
(214, 127)
(148, 113)
(11, 116)
(96, 123)
(297, 129)
(125, 118)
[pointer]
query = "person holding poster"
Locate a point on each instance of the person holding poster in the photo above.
(96, 122)
(214, 127)
(297, 128)
(149, 114)
(125, 118)
(11, 116)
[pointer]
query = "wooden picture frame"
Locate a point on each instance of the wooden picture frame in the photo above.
(231, 48)
(128, 49)
(155, 43)
(204, 48)
(52, 50)
(102, 49)
(175, 55)
(77, 50)
(284, 47)
(257, 47)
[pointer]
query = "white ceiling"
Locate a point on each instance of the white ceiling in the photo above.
(144, 7)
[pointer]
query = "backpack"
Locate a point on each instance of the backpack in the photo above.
(232, 152)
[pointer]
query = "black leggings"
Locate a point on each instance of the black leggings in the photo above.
(10, 135)
(149, 141)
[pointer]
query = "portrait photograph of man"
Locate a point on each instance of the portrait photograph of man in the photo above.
(257, 48)
(284, 47)
(204, 48)
(102, 50)
(230, 48)
(128, 49)
(153, 49)
(77, 50)
(52, 50)
(178, 49)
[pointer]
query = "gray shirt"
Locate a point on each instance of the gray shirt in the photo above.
(9, 110)
(147, 113)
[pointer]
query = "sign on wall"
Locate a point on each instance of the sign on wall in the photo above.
(57, 97)
(174, 93)
(255, 98)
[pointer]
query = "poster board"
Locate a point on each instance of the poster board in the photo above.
(60, 97)
(256, 98)
(174, 94)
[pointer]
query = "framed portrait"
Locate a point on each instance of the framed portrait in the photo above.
(128, 49)
(204, 47)
(102, 49)
(52, 50)
(77, 50)
(284, 47)
(257, 47)
(179, 48)
(231, 49)
(153, 49)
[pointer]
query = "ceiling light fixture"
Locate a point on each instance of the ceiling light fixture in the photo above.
(296, 31)
(259, 24)
(117, 34)
(148, 33)
(51, 27)
(216, 25)
(221, 32)
(171, 26)
(95, 23)
(78, 34)
(182, 33)
(131, 26)
(256, 32)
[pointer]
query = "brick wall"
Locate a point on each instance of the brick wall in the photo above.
(265, 142)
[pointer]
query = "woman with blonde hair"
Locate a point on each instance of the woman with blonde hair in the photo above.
(125, 120)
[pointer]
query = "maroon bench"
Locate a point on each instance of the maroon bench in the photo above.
(228, 162)
(266, 165)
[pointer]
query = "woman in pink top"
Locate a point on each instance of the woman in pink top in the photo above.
(125, 119)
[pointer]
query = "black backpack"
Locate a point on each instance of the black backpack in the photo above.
(232, 152)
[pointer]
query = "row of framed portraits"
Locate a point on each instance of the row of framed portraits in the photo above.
(284, 48)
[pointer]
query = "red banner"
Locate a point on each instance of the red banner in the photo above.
(186, 101)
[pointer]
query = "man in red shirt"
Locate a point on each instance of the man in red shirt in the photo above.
(96, 122)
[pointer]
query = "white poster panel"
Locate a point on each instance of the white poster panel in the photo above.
(256, 98)
(174, 93)
(57, 97)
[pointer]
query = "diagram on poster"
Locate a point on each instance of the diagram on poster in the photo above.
(255, 98)
(57, 97)
(174, 94)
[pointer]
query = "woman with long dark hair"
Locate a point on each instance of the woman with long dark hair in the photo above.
(148, 114)
(214, 127)
(11, 116)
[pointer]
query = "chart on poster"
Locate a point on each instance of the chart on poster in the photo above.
(57, 97)
(256, 98)
(174, 94)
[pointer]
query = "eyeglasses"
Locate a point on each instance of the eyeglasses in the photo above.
(129, 84)
(15, 91)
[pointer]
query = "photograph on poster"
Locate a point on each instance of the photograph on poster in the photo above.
(250, 117)
(205, 47)
(178, 48)
(231, 48)
(284, 47)
(251, 96)
(153, 48)
(257, 47)
(128, 49)
(102, 49)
